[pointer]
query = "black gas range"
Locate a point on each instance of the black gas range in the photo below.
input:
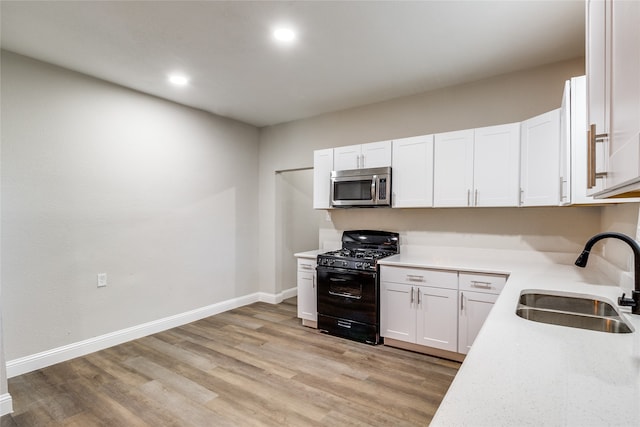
(348, 286)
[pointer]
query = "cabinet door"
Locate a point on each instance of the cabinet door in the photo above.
(624, 126)
(453, 169)
(397, 311)
(565, 145)
(437, 316)
(348, 157)
(598, 63)
(474, 309)
(540, 160)
(322, 167)
(413, 172)
(496, 171)
(307, 298)
(376, 154)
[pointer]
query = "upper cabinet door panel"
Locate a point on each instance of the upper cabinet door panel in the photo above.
(413, 172)
(376, 154)
(496, 165)
(624, 129)
(322, 167)
(453, 169)
(598, 63)
(347, 157)
(540, 160)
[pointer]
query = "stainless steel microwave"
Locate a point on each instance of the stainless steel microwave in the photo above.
(361, 188)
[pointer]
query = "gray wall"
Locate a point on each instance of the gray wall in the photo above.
(503, 99)
(98, 178)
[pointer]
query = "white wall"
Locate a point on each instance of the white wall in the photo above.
(622, 218)
(551, 229)
(503, 99)
(98, 178)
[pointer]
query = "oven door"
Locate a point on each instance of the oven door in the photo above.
(348, 294)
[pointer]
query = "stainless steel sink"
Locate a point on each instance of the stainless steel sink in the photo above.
(572, 310)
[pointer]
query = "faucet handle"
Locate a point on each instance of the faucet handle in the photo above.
(626, 302)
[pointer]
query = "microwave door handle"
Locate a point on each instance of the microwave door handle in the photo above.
(374, 180)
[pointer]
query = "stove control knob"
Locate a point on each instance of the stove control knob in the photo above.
(344, 263)
(361, 265)
(367, 265)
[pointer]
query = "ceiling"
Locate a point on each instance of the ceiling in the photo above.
(347, 53)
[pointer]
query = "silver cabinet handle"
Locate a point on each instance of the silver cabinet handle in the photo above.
(415, 278)
(461, 301)
(313, 282)
(306, 266)
(475, 203)
(478, 284)
(592, 138)
(418, 292)
(412, 295)
(468, 197)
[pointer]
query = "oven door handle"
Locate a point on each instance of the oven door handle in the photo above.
(340, 294)
(333, 279)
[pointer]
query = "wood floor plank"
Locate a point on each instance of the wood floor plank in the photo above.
(254, 366)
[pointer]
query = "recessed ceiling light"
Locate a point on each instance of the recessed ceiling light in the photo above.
(178, 79)
(284, 34)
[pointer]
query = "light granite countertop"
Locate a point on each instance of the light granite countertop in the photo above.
(523, 373)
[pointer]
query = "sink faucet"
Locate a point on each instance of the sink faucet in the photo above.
(634, 301)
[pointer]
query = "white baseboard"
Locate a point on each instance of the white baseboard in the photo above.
(6, 404)
(46, 358)
(278, 298)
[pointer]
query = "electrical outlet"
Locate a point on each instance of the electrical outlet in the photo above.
(102, 280)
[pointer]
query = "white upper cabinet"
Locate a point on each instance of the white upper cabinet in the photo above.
(347, 157)
(496, 165)
(598, 63)
(412, 167)
(371, 155)
(613, 81)
(477, 167)
(540, 160)
(322, 167)
(453, 169)
(565, 145)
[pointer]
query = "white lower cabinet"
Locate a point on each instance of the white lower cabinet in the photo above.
(437, 309)
(307, 296)
(419, 306)
(437, 318)
(478, 293)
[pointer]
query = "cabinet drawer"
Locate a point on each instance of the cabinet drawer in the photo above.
(419, 277)
(480, 282)
(307, 264)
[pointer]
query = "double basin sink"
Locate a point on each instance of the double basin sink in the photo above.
(572, 310)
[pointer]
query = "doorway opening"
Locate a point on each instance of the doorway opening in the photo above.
(297, 224)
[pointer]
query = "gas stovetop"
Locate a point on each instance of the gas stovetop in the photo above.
(360, 250)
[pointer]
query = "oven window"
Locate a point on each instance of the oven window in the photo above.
(352, 190)
(345, 288)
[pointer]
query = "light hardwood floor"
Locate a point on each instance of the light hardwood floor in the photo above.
(252, 366)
